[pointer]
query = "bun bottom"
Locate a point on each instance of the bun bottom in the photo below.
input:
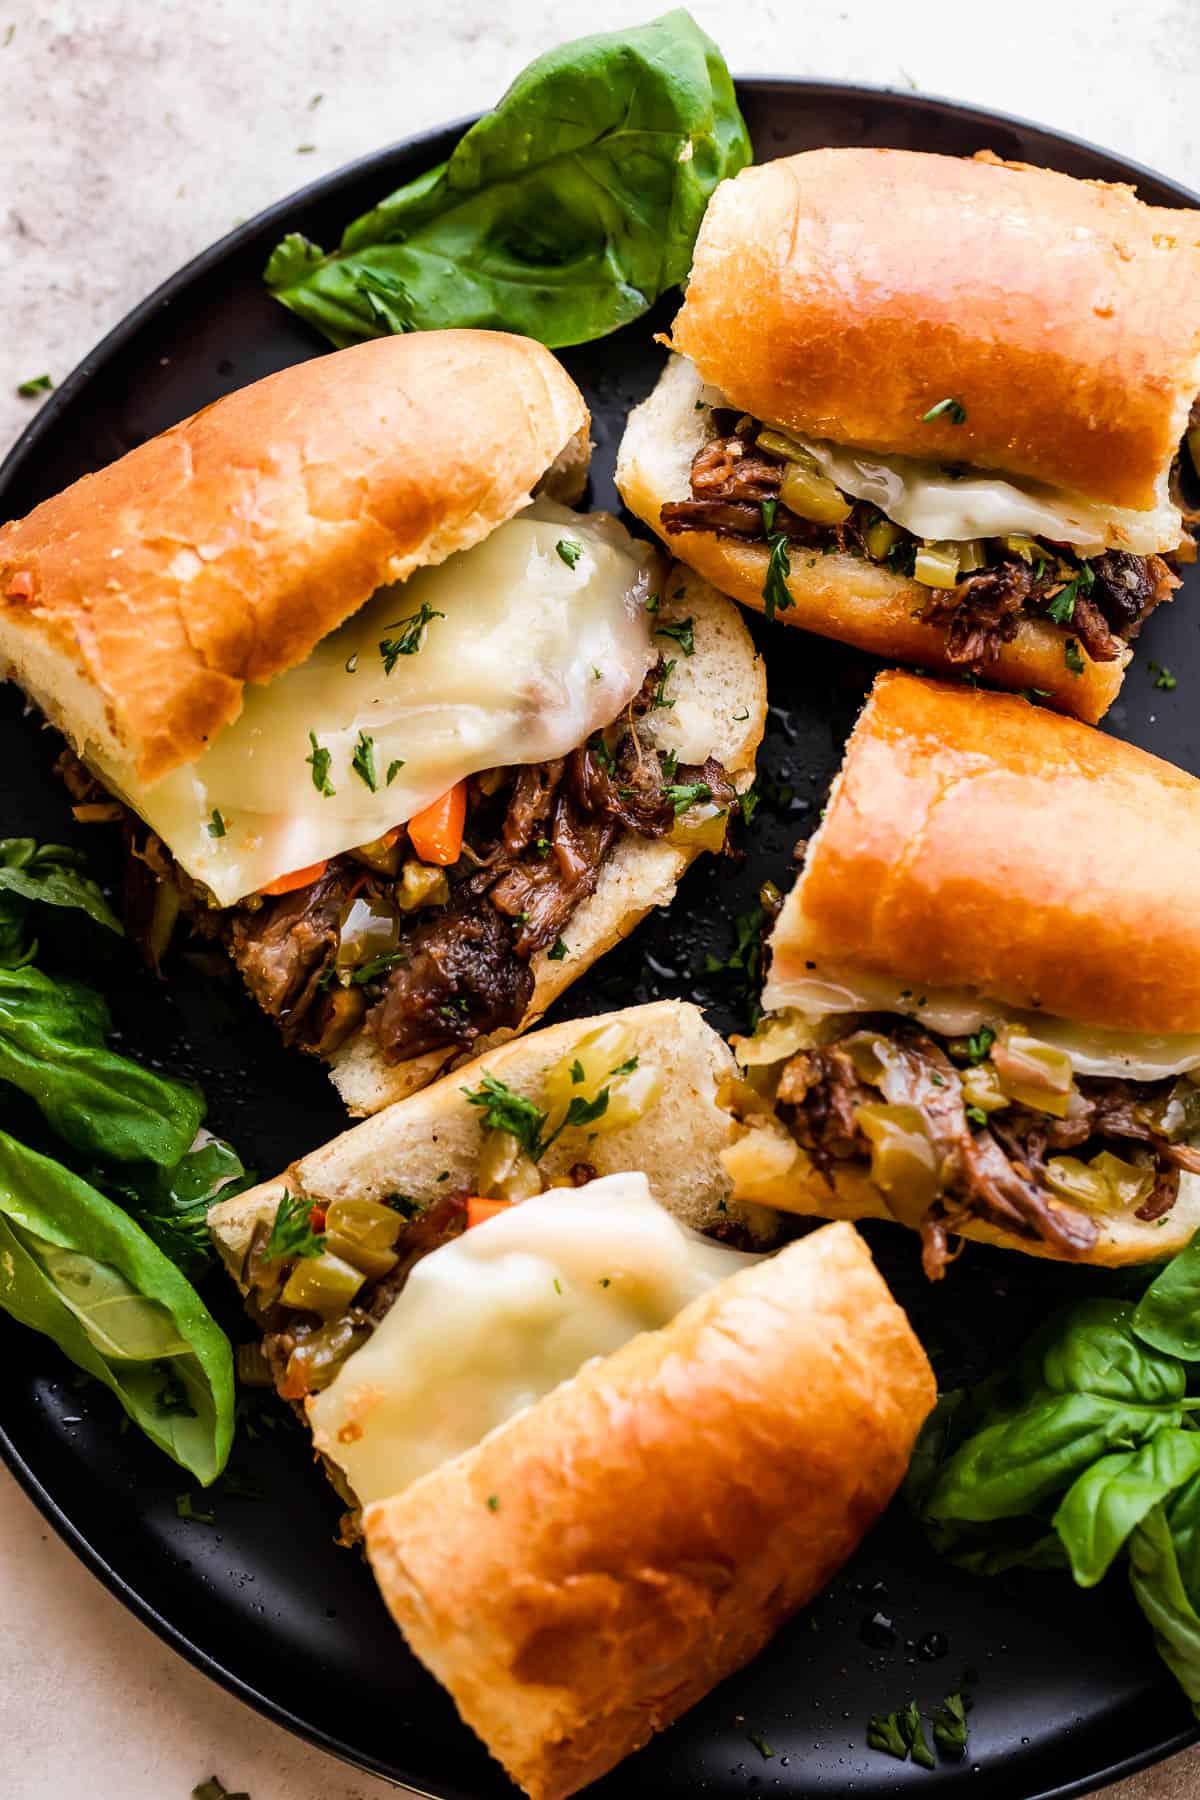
(720, 709)
(785, 1179)
(835, 595)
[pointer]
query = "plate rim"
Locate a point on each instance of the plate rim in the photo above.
(26, 445)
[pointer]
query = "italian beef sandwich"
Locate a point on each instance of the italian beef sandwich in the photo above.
(983, 994)
(372, 706)
(941, 408)
(598, 1445)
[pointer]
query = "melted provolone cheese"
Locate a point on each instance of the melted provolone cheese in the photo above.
(954, 1012)
(933, 504)
(490, 1322)
(528, 657)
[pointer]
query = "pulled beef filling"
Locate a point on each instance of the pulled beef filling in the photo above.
(535, 841)
(1113, 594)
(993, 1167)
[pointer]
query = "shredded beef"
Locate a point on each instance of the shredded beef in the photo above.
(285, 947)
(731, 477)
(461, 980)
(993, 1171)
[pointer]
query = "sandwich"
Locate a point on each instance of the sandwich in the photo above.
(375, 710)
(935, 407)
(983, 994)
(599, 1446)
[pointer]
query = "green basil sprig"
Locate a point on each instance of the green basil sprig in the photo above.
(1085, 1451)
(563, 214)
(74, 1267)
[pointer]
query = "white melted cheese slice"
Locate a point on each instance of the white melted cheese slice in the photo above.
(531, 656)
(930, 503)
(954, 1012)
(492, 1321)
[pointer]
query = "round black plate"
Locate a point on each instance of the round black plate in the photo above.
(1068, 1689)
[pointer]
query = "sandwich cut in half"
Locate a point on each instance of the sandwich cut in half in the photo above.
(374, 708)
(599, 1452)
(940, 408)
(983, 995)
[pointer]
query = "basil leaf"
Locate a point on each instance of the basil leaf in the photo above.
(50, 874)
(1111, 1498)
(1094, 1348)
(75, 1268)
(1158, 1587)
(52, 1047)
(1183, 1516)
(1167, 1316)
(1026, 1457)
(562, 214)
(171, 1205)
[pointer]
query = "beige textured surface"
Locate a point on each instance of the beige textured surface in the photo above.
(133, 135)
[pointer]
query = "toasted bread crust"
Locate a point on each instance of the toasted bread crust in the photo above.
(593, 1568)
(135, 605)
(844, 292)
(975, 841)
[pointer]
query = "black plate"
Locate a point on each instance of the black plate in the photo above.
(1068, 1691)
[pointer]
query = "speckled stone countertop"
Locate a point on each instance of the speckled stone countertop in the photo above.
(131, 136)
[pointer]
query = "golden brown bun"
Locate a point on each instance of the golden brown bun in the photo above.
(136, 605)
(656, 1519)
(838, 596)
(975, 841)
(845, 292)
(767, 1169)
(429, 1145)
(720, 709)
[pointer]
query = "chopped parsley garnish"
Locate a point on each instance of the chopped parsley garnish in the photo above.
(760, 1744)
(1062, 608)
(557, 951)
(977, 1116)
(376, 965)
(1073, 656)
(653, 602)
(625, 1068)
(1033, 695)
(319, 762)
(577, 1072)
(291, 1231)
(775, 594)
(557, 1285)
(689, 794)
(768, 509)
(659, 701)
(745, 960)
(363, 760)
(393, 769)
(215, 1789)
(504, 1110)
(352, 663)
(1163, 677)
(954, 410)
(684, 634)
(37, 384)
(601, 752)
(901, 1734)
(184, 1509)
(950, 1728)
(493, 1502)
(412, 636)
(979, 1043)
(569, 551)
(216, 825)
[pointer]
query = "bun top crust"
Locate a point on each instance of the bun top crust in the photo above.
(653, 1521)
(135, 605)
(975, 841)
(844, 293)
